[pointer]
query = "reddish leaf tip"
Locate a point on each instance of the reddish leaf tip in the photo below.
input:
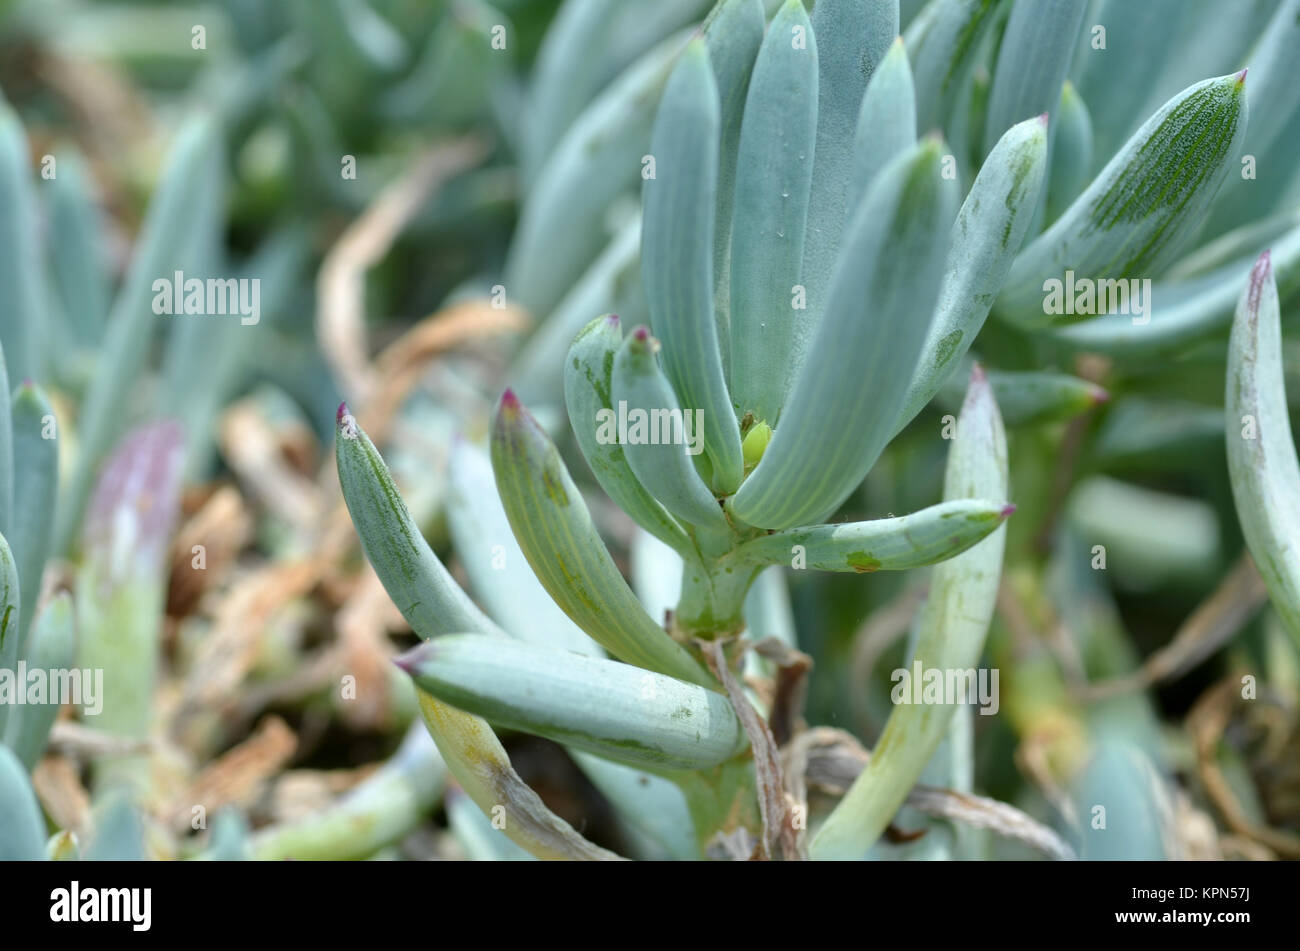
(342, 413)
(1007, 510)
(1042, 119)
(1260, 274)
(1241, 77)
(410, 660)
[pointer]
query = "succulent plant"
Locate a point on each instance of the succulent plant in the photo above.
(810, 285)
(733, 265)
(743, 496)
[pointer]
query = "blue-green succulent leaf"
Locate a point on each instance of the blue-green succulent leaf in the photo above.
(952, 626)
(853, 36)
(1262, 462)
(194, 167)
(498, 572)
(22, 834)
(588, 382)
(773, 176)
(22, 290)
(553, 527)
(677, 254)
(923, 538)
(1032, 397)
(943, 42)
(842, 409)
(1071, 152)
(660, 435)
(886, 122)
(10, 610)
(1033, 61)
(988, 231)
(1181, 313)
(611, 709)
(561, 226)
(76, 243)
(50, 647)
(421, 588)
(1139, 211)
(733, 33)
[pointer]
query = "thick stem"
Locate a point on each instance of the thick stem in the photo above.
(721, 799)
(713, 590)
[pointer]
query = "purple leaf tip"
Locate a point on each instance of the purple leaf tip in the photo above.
(410, 660)
(1259, 275)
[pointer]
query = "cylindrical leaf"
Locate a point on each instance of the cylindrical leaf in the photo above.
(498, 572)
(1033, 60)
(1261, 453)
(36, 481)
(888, 544)
(414, 578)
(1139, 211)
(22, 292)
(10, 610)
(886, 121)
(989, 229)
(1071, 152)
(50, 648)
(554, 529)
(588, 378)
(613, 710)
(841, 411)
(659, 434)
(852, 38)
(677, 254)
(22, 833)
(773, 175)
(952, 626)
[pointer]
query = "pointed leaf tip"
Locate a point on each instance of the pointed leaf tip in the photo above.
(347, 424)
(1259, 274)
(1043, 119)
(410, 661)
(1007, 510)
(1241, 77)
